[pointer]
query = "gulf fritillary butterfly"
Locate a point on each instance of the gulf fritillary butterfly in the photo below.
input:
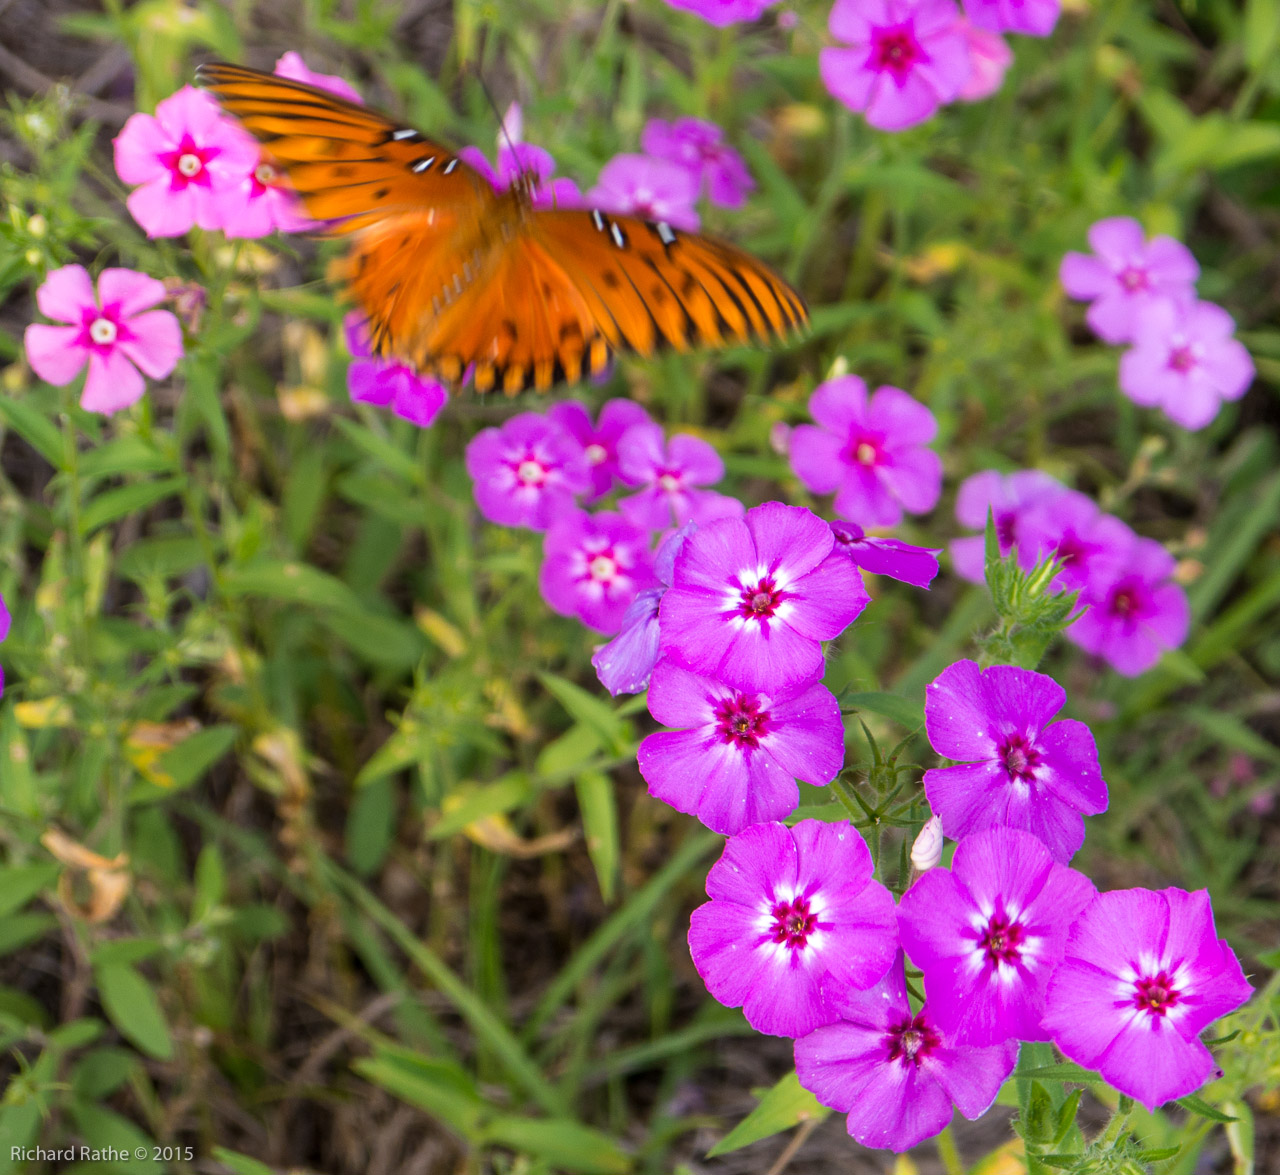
(450, 273)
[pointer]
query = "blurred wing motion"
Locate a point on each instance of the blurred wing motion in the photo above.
(453, 276)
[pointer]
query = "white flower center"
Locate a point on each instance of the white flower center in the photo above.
(265, 174)
(602, 568)
(190, 165)
(103, 331)
(669, 483)
(595, 454)
(530, 471)
(865, 453)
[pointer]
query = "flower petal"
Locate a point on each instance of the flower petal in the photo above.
(54, 353)
(113, 383)
(66, 294)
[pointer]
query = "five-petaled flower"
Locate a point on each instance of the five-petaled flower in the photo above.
(599, 441)
(699, 147)
(190, 161)
(527, 472)
(794, 914)
(735, 755)
(593, 566)
(1018, 767)
(672, 473)
(905, 59)
(1008, 498)
(116, 332)
(655, 189)
(753, 598)
(520, 160)
(389, 383)
(988, 932)
(870, 450)
(895, 1072)
(1144, 973)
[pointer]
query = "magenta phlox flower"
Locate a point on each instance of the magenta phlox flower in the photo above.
(885, 556)
(625, 663)
(988, 932)
(655, 189)
(388, 383)
(989, 60)
(724, 12)
(896, 1074)
(699, 147)
(1135, 609)
(671, 472)
(736, 754)
(593, 566)
(1035, 18)
(1018, 767)
(1143, 975)
(869, 450)
(1185, 360)
(793, 912)
(1071, 527)
(1007, 497)
(526, 159)
(292, 66)
(527, 472)
(1125, 276)
(189, 160)
(599, 441)
(115, 331)
(905, 59)
(4, 632)
(752, 598)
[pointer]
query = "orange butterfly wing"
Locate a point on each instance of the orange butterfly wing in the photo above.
(451, 274)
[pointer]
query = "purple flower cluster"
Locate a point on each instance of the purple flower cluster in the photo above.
(1183, 355)
(900, 60)
(1133, 608)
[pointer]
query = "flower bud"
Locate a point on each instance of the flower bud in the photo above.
(927, 851)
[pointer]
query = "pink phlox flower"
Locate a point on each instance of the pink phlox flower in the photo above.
(1125, 276)
(671, 472)
(699, 147)
(752, 598)
(1007, 497)
(1185, 360)
(1143, 975)
(292, 66)
(724, 12)
(654, 189)
(593, 566)
(905, 59)
(989, 60)
(389, 383)
(988, 932)
(886, 556)
(116, 332)
(526, 473)
(869, 450)
(190, 161)
(1070, 526)
(793, 912)
(625, 663)
(895, 1072)
(526, 159)
(4, 632)
(734, 755)
(1018, 767)
(1135, 609)
(599, 441)
(1035, 18)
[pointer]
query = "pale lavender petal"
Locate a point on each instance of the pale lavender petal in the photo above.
(1084, 277)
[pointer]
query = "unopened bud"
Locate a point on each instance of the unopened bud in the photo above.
(780, 438)
(927, 851)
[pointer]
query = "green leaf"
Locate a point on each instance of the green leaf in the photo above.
(101, 1128)
(600, 822)
(114, 504)
(102, 1071)
(162, 558)
(290, 583)
(21, 883)
(564, 755)
(186, 763)
(211, 883)
(476, 801)
(561, 1142)
(1261, 31)
(903, 711)
(134, 1009)
(439, 1087)
(1197, 1105)
(371, 826)
(241, 1164)
(586, 708)
(1066, 1071)
(18, 930)
(126, 454)
(33, 427)
(786, 1105)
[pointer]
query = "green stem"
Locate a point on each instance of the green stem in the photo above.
(949, 1154)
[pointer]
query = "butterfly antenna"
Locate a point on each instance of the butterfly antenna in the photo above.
(524, 178)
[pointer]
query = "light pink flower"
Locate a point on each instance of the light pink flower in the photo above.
(905, 59)
(116, 332)
(292, 66)
(989, 58)
(637, 185)
(190, 161)
(699, 147)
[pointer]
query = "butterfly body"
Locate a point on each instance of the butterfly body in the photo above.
(453, 276)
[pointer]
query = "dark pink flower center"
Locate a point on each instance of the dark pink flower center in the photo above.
(912, 1041)
(1125, 602)
(1133, 279)
(1070, 549)
(103, 330)
(1001, 940)
(187, 164)
(1019, 756)
(793, 923)
(760, 600)
(1007, 530)
(895, 48)
(1182, 359)
(1156, 994)
(603, 566)
(741, 721)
